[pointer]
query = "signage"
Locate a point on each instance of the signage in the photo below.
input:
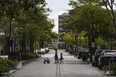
(93, 44)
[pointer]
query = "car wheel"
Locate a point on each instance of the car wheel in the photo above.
(92, 64)
(95, 64)
(100, 67)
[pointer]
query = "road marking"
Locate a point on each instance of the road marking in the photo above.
(56, 69)
(59, 71)
(58, 65)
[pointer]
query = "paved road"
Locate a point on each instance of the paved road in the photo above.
(72, 67)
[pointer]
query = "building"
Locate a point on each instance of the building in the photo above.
(61, 44)
(55, 43)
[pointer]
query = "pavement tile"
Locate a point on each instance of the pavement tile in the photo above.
(72, 67)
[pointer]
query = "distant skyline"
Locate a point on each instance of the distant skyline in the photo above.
(58, 7)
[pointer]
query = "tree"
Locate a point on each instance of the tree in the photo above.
(13, 8)
(33, 25)
(109, 4)
(69, 39)
(94, 20)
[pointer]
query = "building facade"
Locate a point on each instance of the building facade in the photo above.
(61, 44)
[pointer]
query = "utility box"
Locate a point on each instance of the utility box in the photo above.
(15, 56)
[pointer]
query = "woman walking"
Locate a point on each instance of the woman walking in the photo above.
(56, 56)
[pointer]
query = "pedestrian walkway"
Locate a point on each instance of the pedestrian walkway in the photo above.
(72, 67)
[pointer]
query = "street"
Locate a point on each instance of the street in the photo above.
(72, 67)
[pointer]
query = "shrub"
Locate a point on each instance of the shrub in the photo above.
(112, 67)
(68, 51)
(27, 56)
(75, 53)
(3, 68)
(14, 64)
(84, 57)
(6, 65)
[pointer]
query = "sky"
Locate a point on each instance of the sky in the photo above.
(58, 7)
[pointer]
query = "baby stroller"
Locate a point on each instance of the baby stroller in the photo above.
(46, 60)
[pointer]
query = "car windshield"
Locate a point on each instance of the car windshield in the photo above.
(99, 53)
(42, 49)
(109, 51)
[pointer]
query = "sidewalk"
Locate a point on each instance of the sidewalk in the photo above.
(72, 67)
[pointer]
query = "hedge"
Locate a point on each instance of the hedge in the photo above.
(27, 56)
(6, 65)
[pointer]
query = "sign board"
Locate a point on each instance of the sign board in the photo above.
(73, 45)
(35, 46)
(80, 47)
(93, 44)
(98, 47)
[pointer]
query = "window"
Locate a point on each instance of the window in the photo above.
(60, 17)
(60, 22)
(60, 40)
(60, 26)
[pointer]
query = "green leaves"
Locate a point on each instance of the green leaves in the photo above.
(95, 16)
(90, 18)
(13, 7)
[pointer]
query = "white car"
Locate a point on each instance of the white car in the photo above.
(46, 48)
(42, 50)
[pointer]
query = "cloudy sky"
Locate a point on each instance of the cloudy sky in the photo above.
(58, 7)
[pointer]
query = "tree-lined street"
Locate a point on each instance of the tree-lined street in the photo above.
(25, 27)
(72, 67)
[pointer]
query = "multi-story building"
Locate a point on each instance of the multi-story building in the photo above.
(61, 20)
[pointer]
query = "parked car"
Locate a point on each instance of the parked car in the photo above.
(81, 52)
(41, 51)
(107, 56)
(46, 48)
(96, 56)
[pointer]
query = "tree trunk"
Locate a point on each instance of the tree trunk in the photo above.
(9, 39)
(31, 45)
(90, 48)
(23, 44)
(75, 44)
(112, 15)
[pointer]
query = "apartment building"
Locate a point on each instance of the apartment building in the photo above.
(61, 44)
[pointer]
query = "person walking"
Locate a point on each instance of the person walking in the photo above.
(61, 58)
(56, 56)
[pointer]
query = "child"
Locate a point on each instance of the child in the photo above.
(61, 58)
(46, 60)
(56, 57)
